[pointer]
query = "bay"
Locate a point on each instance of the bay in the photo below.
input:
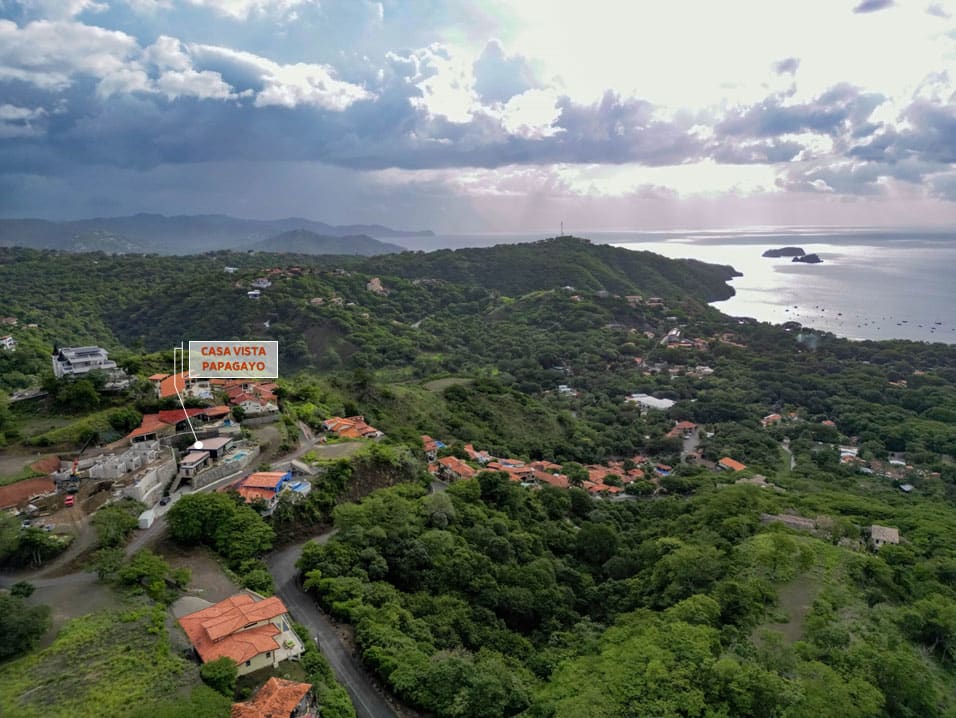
(872, 284)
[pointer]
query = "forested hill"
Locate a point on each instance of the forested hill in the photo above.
(302, 241)
(185, 234)
(515, 269)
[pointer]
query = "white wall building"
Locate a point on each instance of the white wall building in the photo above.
(646, 401)
(71, 361)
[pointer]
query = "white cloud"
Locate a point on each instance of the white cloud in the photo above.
(243, 9)
(63, 9)
(531, 114)
(49, 53)
(205, 85)
(167, 53)
(286, 85)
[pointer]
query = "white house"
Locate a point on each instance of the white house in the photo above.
(8, 343)
(646, 401)
(71, 361)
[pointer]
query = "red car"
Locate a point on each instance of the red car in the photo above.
(69, 500)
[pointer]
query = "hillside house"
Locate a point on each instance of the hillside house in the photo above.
(167, 385)
(728, 464)
(192, 463)
(482, 457)
(279, 698)
(431, 446)
(260, 283)
(883, 535)
(682, 430)
(771, 420)
(648, 402)
(75, 361)
(451, 468)
(265, 486)
(8, 343)
(352, 427)
(375, 286)
(253, 631)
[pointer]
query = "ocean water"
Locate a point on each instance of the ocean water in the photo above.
(872, 284)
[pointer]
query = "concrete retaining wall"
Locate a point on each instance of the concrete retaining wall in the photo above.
(217, 472)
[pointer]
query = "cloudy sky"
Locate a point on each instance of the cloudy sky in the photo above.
(482, 115)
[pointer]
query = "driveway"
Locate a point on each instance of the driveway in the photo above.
(347, 668)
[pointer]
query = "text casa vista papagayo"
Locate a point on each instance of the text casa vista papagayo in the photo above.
(234, 359)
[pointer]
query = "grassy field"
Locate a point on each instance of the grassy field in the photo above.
(24, 473)
(442, 384)
(107, 664)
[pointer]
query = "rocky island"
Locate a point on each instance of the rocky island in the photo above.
(784, 252)
(808, 258)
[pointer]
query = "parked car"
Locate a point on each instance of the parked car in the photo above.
(48, 527)
(69, 500)
(26, 523)
(163, 501)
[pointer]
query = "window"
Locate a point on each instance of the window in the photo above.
(249, 662)
(268, 654)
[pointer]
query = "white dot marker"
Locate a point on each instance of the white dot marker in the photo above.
(197, 445)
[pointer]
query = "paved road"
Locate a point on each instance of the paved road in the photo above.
(349, 672)
(690, 444)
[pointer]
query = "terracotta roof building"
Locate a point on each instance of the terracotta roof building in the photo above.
(451, 467)
(731, 464)
(252, 631)
(352, 427)
(279, 698)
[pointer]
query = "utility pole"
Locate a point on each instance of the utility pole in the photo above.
(562, 228)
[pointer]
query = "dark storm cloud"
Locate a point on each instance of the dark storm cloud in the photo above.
(787, 66)
(499, 77)
(390, 129)
(841, 108)
(873, 6)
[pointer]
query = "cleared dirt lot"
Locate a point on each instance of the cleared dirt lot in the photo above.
(208, 581)
(69, 600)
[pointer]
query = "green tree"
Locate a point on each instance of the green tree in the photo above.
(113, 525)
(220, 675)
(22, 589)
(20, 625)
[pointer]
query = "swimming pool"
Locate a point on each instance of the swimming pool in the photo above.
(239, 457)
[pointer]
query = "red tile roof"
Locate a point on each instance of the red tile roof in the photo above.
(174, 416)
(263, 480)
(729, 463)
(457, 467)
(158, 377)
(220, 630)
(169, 385)
(278, 698)
(150, 425)
(558, 480)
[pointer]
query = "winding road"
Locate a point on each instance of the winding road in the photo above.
(367, 700)
(348, 671)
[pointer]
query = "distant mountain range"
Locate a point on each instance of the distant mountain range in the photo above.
(191, 234)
